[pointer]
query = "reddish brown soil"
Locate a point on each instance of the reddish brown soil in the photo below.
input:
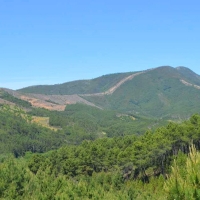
(59, 102)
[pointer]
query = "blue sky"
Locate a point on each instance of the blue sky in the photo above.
(49, 42)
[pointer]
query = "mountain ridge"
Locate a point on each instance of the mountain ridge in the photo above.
(118, 77)
(158, 92)
(96, 85)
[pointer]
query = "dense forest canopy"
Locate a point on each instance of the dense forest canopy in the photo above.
(18, 134)
(51, 165)
(85, 152)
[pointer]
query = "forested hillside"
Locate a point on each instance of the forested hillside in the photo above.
(18, 134)
(40, 130)
(130, 167)
(100, 84)
(85, 122)
(160, 93)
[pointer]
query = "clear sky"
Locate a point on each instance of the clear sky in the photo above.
(55, 41)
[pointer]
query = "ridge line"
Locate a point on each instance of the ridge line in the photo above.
(115, 87)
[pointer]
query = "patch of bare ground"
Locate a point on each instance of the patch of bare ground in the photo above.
(190, 84)
(54, 102)
(36, 102)
(50, 102)
(43, 121)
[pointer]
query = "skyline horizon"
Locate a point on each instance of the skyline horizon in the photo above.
(48, 42)
(57, 83)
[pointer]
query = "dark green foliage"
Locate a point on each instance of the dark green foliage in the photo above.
(79, 122)
(129, 167)
(18, 182)
(18, 134)
(135, 156)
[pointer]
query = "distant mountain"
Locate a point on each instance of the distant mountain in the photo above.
(162, 92)
(96, 85)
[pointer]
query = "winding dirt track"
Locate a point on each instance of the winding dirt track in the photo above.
(112, 89)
